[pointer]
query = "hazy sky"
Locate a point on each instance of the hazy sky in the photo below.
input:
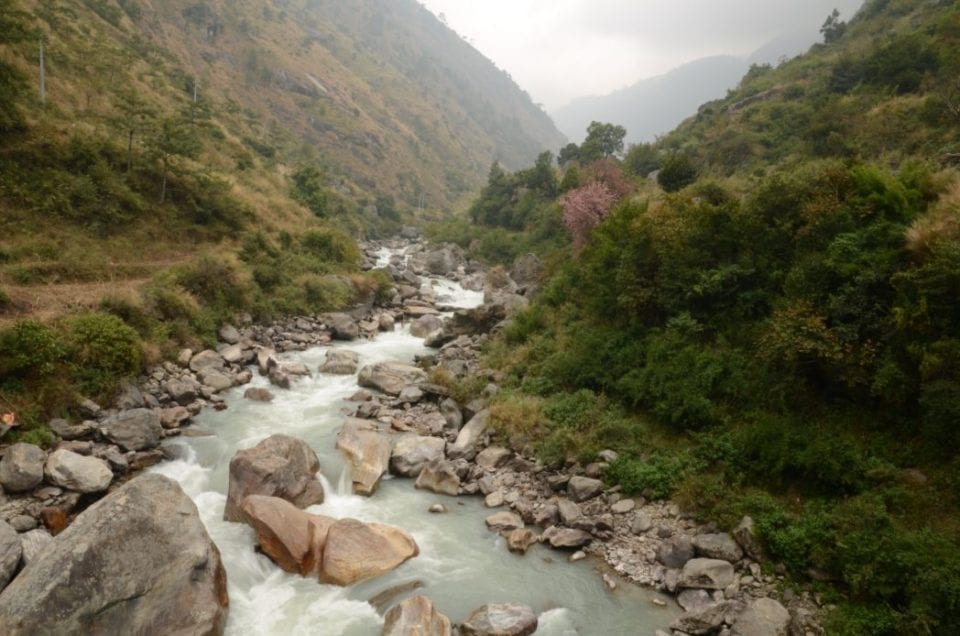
(560, 49)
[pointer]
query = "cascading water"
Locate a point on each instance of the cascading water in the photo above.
(461, 565)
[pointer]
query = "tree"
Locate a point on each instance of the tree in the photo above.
(834, 28)
(570, 152)
(677, 173)
(584, 209)
(641, 159)
(133, 116)
(603, 140)
(541, 177)
(309, 188)
(173, 138)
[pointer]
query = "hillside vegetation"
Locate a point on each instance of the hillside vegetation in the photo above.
(772, 328)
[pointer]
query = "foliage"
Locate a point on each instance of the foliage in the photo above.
(676, 172)
(585, 208)
(309, 187)
(103, 350)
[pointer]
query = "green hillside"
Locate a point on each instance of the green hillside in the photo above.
(770, 327)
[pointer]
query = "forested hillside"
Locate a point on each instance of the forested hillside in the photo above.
(772, 327)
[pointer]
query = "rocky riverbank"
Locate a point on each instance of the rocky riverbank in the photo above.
(405, 425)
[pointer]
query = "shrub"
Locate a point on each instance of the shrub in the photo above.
(676, 172)
(103, 350)
(30, 349)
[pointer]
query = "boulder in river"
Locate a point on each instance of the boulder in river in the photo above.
(138, 561)
(566, 538)
(21, 468)
(356, 551)
(415, 617)
(439, 476)
(291, 538)
(342, 326)
(500, 619)
(279, 466)
(368, 452)
(469, 437)
(412, 452)
(258, 394)
(340, 362)
(390, 377)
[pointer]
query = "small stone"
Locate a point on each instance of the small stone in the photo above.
(579, 555)
(623, 506)
(438, 508)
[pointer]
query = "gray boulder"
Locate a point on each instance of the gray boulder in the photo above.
(21, 468)
(763, 617)
(583, 488)
(139, 561)
(415, 617)
(229, 334)
(135, 430)
(34, 544)
(390, 377)
(10, 552)
(493, 457)
(279, 466)
(717, 546)
(258, 394)
(746, 537)
(78, 473)
(340, 362)
(709, 620)
(68, 431)
(706, 574)
(500, 619)
(183, 392)
(469, 437)
(216, 379)
(206, 360)
(342, 326)
(130, 397)
(412, 452)
(425, 325)
(566, 538)
(675, 551)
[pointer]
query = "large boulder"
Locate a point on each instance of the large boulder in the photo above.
(138, 561)
(367, 451)
(415, 617)
(21, 468)
(469, 322)
(469, 437)
(77, 472)
(356, 551)
(216, 379)
(205, 360)
(342, 326)
(183, 392)
(135, 430)
(10, 552)
(709, 620)
(412, 452)
(229, 334)
(675, 552)
(292, 538)
(340, 362)
(763, 617)
(500, 619)
(425, 325)
(390, 377)
(717, 546)
(706, 574)
(442, 261)
(279, 466)
(746, 537)
(439, 476)
(566, 538)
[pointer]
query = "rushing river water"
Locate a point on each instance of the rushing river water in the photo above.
(461, 564)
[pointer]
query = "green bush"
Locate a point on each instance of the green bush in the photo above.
(103, 350)
(30, 349)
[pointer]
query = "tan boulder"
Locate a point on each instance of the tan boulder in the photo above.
(415, 617)
(292, 538)
(355, 551)
(367, 451)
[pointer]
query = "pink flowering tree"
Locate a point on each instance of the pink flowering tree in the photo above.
(584, 209)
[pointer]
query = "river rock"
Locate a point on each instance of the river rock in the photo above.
(493, 457)
(390, 377)
(451, 414)
(763, 617)
(469, 437)
(232, 354)
(34, 544)
(708, 620)
(205, 360)
(342, 326)
(356, 551)
(675, 551)
(746, 537)
(135, 430)
(21, 468)
(717, 546)
(266, 359)
(425, 325)
(566, 538)
(500, 619)
(439, 476)
(182, 391)
(68, 431)
(138, 561)
(78, 473)
(215, 379)
(641, 523)
(412, 452)
(229, 334)
(367, 451)
(258, 394)
(10, 552)
(694, 600)
(504, 520)
(582, 488)
(279, 466)
(292, 538)
(623, 506)
(130, 397)
(340, 362)
(706, 574)
(568, 510)
(520, 540)
(415, 617)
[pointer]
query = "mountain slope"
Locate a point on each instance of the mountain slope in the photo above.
(653, 106)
